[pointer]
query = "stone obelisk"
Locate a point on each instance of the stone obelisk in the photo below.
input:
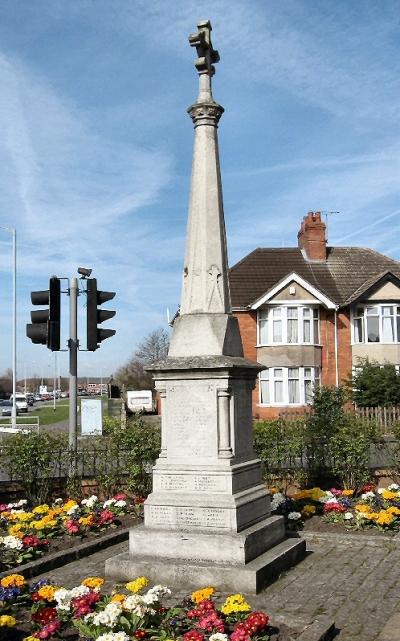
(208, 519)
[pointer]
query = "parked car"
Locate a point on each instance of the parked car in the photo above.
(30, 399)
(20, 401)
(37, 397)
(6, 408)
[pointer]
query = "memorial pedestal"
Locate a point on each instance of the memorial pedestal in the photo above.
(208, 517)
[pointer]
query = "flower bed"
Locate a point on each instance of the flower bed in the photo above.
(27, 534)
(43, 610)
(371, 509)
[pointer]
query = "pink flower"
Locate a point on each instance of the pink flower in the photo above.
(193, 635)
(120, 497)
(106, 516)
(72, 526)
(48, 630)
(336, 492)
(3, 507)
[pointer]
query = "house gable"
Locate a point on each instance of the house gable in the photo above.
(303, 291)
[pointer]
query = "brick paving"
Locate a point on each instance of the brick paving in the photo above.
(356, 584)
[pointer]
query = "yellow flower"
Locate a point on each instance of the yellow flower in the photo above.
(25, 516)
(93, 582)
(30, 638)
(7, 620)
(47, 592)
(86, 520)
(273, 490)
(384, 518)
(393, 510)
(41, 509)
(309, 510)
(360, 507)
(15, 530)
(388, 495)
(137, 585)
(202, 595)
(118, 598)
(12, 581)
(348, 492)
(67, 506)
(235, 603)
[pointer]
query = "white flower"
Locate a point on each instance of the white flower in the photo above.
(333, 500)
(72, 509)
(63, 597)
(277, 500)
(294, 516)
(113, 636)
(11, 542)
(158, 591)
(135, 604)
(328, 496)
(109, 502)
(394, 487)
(91, 501)
(348, 516)
(368, 495)
(218, 636)
(58, 501)
(120, 503)
(381, 490)
(22, 502)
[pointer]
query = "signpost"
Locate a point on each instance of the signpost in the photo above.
(91, 417)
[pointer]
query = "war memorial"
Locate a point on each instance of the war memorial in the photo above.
(208, 518)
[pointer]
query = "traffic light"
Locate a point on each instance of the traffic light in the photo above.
(95, 334)
(45, 326)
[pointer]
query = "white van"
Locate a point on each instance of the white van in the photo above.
(20, 402)
(140, 401)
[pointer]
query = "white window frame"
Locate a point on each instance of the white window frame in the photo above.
(380, 307)
(268, 314)
(269, 374)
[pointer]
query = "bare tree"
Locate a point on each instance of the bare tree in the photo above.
(132, 375)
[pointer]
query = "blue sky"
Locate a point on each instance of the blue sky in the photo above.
(95, 143)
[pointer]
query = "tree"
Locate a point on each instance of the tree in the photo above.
(154, 347)
(375, 385)
(6, 383)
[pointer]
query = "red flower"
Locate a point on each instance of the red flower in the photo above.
(139, 634)
(44, 616)
(333, 507)
(120, 497)
(106, 516)
(48, 630)
(32, 541)
(72, 526)
(211, 621)
(193, 635)
(368, 487)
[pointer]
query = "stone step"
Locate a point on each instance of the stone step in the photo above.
(192, 574)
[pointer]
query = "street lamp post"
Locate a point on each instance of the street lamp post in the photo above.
(13, 233)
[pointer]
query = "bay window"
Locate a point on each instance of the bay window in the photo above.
(376, 324)
(288, 385)
(288, 325)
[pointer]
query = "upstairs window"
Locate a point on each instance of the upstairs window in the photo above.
(376, 324)
(295, 325)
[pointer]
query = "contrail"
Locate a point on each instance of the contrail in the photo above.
(380, 220)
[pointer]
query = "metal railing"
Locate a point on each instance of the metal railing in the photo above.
(22, 425)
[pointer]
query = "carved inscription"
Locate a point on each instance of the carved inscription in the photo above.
(191, 420)
(172, 482)
(189, 517)
(189, 482)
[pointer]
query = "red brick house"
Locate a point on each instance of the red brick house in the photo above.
(309, 313)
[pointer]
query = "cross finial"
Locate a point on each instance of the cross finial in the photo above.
(207, 56)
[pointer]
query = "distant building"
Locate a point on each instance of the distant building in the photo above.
(309, 313)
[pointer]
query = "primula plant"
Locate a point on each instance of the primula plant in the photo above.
(26, 534)
(133, 612)
(370, 508)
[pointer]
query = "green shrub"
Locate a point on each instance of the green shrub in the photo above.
(280, 445)
(32, 460)
(349, 449)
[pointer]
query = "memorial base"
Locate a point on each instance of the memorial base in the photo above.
(232, 561)
(190, 574)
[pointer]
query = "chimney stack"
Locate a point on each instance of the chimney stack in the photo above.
(312, 238)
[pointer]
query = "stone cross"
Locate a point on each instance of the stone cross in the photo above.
(207, 56)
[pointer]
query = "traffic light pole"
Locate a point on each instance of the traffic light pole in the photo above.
(73, 344)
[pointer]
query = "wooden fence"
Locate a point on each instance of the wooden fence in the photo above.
(384, 417)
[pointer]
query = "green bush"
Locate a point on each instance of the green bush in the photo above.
(349, 450)
(374, 385)
(280, 445)
(32, 460)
